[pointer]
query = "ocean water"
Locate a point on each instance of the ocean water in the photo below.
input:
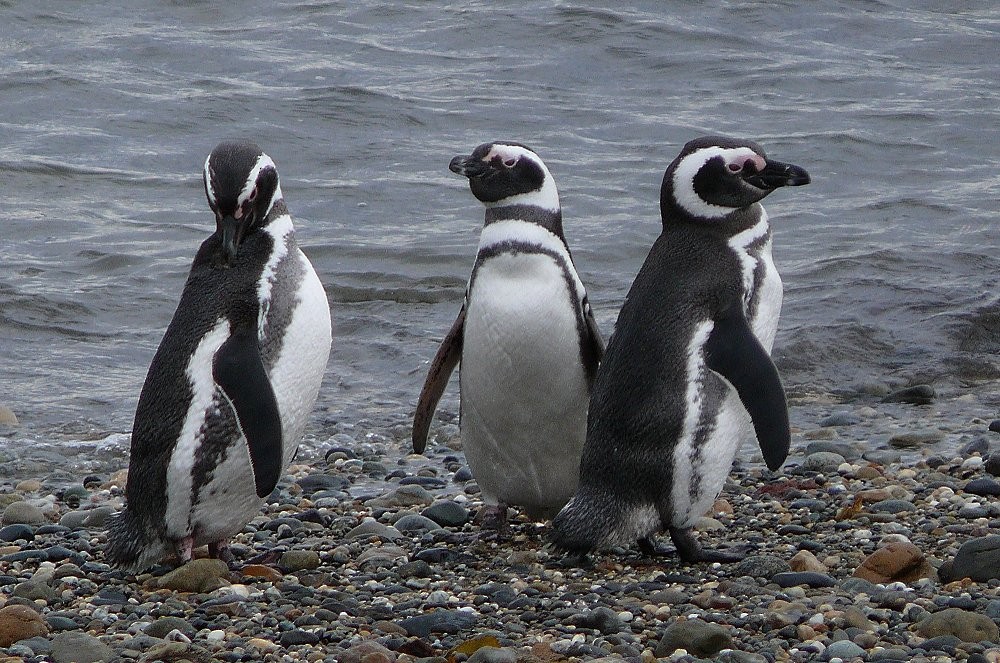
(890, 257)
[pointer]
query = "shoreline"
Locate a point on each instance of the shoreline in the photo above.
(370, 553)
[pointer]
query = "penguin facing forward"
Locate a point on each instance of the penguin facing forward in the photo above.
(231, 386)
(527, 341)
(687, 374)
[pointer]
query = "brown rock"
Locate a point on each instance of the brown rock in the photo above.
(198, 575)
(7, 416)
(19, 622)
(804, 560)
(895, 562)
(261, 571)
(367, 651)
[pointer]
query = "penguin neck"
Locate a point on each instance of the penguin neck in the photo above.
(277, 210)
(549, 219)
(732, 224)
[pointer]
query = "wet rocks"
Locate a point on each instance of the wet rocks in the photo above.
(914, 439)
(439, 621)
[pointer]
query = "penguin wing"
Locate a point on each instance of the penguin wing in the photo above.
(437, 379)
(238, 369)
(734, 352)
(592, 347)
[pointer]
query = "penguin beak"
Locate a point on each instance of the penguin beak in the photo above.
(232, 235)
(776, 173)
(468, 166)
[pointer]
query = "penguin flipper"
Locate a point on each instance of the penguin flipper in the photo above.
(734, 352)
(444, 363)
(592, 349)
(238, 369)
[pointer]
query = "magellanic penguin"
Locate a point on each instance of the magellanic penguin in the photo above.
(234, 379)
(687, 375)
(527, 340)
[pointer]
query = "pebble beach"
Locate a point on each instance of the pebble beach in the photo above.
(879, 540)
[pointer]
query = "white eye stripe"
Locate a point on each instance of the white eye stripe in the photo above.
(208, 181)
(263, 161)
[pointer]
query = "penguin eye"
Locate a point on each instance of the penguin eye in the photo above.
(735, 167)
(509, 162)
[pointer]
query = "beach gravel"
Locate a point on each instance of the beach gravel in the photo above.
(885, 549)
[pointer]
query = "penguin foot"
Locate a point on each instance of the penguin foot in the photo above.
(574, 560)
(689, 550)
(185, 550)
(649, 548)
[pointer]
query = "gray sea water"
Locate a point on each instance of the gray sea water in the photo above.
(890, 257)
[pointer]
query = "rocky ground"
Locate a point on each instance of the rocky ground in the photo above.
(879, 541)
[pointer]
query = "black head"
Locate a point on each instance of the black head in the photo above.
(507, 173)
(241, 183)
(715, 176)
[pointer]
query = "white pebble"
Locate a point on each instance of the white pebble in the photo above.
(973, 463)
(218, 635)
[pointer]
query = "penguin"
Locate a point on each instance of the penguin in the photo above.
(527, 341)
(235, 377)
(687, 375)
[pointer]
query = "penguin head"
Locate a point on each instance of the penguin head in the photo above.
(505, 173)
(715, 178)
(241, 183)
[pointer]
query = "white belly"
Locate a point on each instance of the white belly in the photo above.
(523, 388)
(229, 499)
(298, 372)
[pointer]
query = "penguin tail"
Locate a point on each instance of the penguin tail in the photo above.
(588, 521)
(129, 546)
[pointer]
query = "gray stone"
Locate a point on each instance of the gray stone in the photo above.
(198, 575)
(15, 532)
(78, 647)
(298, 637)
(415, 523)
(298, 560)
(761, 566)
(600, 619)
(808, 578)
(979, 445)
(915, 439)
(22, 513)
(984, 486)
(736, 656)
(978, 559)
(845, 449)
(695, 636)
(35, 590)
(447, 513)
(920, 394)
(404, 496)
(963, 624)
(823, 461)
(164, 625)
(843, 418)
(993, 464)
(843, 649)
(494, 655)
(892, 506)
(372, 527)
(439, 621)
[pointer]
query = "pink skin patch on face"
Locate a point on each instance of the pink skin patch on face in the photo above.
(742, 162)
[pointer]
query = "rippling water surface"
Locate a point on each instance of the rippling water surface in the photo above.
(890, 257)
